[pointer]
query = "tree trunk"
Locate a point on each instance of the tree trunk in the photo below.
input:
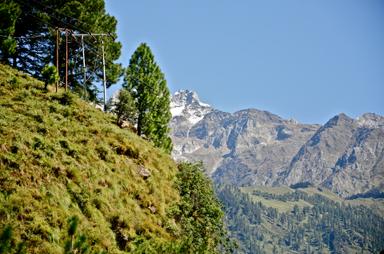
(139, 123)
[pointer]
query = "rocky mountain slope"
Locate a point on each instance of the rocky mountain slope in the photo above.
(253, 147)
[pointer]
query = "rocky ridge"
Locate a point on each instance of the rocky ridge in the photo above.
(254, 147)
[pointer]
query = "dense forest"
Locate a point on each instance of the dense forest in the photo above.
(297, 221)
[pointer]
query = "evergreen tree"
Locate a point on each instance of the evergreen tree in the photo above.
(28, 38)
(9, 11)
(124, 108)
(49, 75)
(148, 87)
(200, 213)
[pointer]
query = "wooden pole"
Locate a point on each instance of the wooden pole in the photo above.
(104, 78)
(57, 57)
(103, 50)
(84, 68)
(66, 59)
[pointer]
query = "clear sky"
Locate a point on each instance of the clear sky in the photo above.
(302, 59)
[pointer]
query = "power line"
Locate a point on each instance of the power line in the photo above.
(49, 22)
(102, 35)
(66, 30)
(76, 28)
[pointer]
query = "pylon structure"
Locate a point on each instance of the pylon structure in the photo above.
(94, 35)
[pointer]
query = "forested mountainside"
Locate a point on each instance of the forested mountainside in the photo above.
(336, 173)
(304, 220)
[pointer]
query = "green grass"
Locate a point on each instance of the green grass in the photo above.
(281, 206)
(273, 190)
(324, 192)
(61, 157)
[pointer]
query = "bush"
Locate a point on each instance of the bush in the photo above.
(65, 99)
(49, 75)
(125, 108)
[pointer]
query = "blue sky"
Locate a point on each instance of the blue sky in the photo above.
(302, 59)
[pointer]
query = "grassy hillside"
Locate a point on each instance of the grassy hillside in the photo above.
(60, 157)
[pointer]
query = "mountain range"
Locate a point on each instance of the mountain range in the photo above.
(252, 147)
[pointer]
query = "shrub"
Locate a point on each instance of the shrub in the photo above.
(65, 99)
(125, 108)
(49, 75)
(103, 152)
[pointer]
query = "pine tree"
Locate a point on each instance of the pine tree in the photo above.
(200, 213)
(148, 87)
(49, 75)
(9, 11)
(124, 108)
(28, 38)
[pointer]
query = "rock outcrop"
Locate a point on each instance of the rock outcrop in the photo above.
(254, 147)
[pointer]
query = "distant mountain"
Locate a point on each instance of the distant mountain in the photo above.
(254, 147)
(186, 104)
(344, 155)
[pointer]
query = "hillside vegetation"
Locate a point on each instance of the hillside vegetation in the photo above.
(63, 162)
(304, 220)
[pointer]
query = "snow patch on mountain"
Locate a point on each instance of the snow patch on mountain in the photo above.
(176, 111)
(187, 104)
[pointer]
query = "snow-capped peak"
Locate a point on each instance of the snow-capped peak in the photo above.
(187, 103)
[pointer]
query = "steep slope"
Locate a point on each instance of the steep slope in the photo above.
(345, 155)
(253, 147)
(245, 148)
(315, 160)
(60, 157)
(260, 144)
(360, 170)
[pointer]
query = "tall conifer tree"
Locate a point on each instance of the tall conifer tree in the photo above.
(148, 87)
(28, 38)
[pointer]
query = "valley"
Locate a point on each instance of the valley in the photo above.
(288, 187)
